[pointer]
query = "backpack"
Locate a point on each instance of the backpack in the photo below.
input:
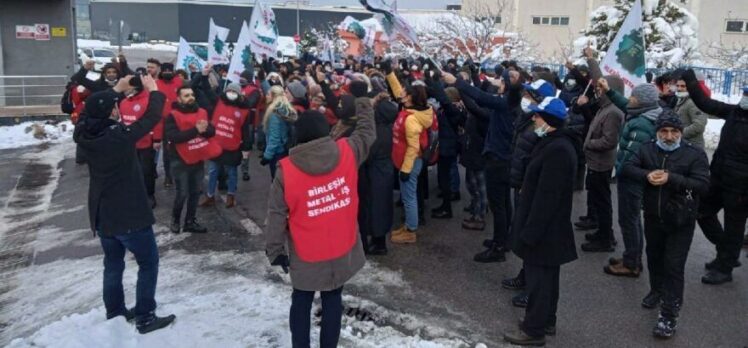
(430, 143)
(66, 102)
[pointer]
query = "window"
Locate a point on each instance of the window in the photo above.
(734, 26)
(497, 19)
(550, 20)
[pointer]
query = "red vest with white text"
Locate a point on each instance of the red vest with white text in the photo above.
(228, 121)
(132, 109)
(322, 209)
(198, 149)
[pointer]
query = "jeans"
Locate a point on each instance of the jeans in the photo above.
(476, 185)
(542, 284)
(332, 312)
(188, 180)
(630, 220)
(598, 193)
(667, 251)
(408, 195)
(499, 197)
(728, 239)
(143, 245)
(147, 159)
(444, 176)
(231, 171)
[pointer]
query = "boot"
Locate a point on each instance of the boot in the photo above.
(665, 327)
(405, 237)
(714, 264)
(614, 261)
(621, 270)
(208, 201)
(493, 254)
(230, 201)
(378, 246)
(652, 300)
(520, 338)
(175, 227)
(716, 277)
(516, 283)
(521, 300)
(193, 227)
(474, 223)
(398, 231)
(550, 330)
(443, 212)
(129, 315)
(151, 322)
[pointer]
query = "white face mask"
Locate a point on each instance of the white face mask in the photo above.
(525, 104)
(231, 96)
(80, 89)
(681, 94)
(542, 130)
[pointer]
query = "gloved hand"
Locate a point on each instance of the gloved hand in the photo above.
(282, 261)
(264, 161)
(404, 176)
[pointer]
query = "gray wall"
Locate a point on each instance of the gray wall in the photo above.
(158, 21)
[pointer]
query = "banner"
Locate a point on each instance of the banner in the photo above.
(242, 58)
(263, 30)
(186, 56)
(625, 57)
(218, 53)
(394, 24)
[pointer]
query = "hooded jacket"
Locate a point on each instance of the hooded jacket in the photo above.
(117, 199)
(318, 157)
(277, 133)
(415, 123)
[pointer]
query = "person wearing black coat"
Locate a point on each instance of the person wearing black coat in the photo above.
(542, 235)
(376, 212)
(118, 206)
(729, 182)
(474, 163)
(675, 174)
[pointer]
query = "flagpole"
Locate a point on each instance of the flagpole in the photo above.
(297, 18)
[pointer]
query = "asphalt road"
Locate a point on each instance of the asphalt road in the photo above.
(595, 310)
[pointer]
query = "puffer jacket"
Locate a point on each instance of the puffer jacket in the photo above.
(638, 129)
(277, 131)
(694, 121)
(677, 201)
(415, 123)
(319, 156)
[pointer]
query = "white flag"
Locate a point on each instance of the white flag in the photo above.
(218, 53)
(394, 24)
(263, 30)
(625, 57)
(242, 58)
(187, 56)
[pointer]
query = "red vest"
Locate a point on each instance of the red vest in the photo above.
(322, 209)
(256, 112)
(198, 149)
(132, 109)
(228, 121)
(400, 141)
(79, 101)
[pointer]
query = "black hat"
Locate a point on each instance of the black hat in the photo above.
(347, 107)
(311, 125)
(100, 104)
(667, 118)
(247, 76)
(358, 88)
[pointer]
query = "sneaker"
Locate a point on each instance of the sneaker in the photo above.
(597, 246)
(665, 327)
(175, 227)
(493, 254)
(474, 223)
(521, 300)
(715, 277)
(714, 264)
(621, 270)
(586, 225)
(652, 300)
(153, 323)
(192, 226)
(520, 338)
(406, 237)
(208, 201)
(515, 283)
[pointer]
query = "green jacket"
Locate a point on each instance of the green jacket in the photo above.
(636, 131)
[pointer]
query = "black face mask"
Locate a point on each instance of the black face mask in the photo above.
(167, 76)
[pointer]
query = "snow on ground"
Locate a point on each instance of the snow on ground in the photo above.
(167, 46)
(220, 299)
(23, 134)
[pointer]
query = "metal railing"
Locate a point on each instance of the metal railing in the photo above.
(21, 93)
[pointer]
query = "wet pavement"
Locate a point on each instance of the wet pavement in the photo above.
(44, 218)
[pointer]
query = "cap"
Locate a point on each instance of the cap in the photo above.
(551, 106)
(541, 87)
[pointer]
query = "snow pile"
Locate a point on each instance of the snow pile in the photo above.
(156, 46)
(32, 133)
(220, 299)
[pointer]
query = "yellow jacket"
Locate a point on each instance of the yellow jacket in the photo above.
(420, 121)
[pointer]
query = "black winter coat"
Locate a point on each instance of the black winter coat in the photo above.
(542, 233)
(476, 127)
(451, 117)
(385, 113)
(117, 200)
(526, 141)
(730, 162)
(677, 201)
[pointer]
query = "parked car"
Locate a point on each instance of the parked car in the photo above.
(99, 55)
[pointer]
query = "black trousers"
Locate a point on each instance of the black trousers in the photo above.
(498, 191)
(542, 288)
(147, 158)
(444, 177)
(598, 195)
(188, 180)
(727, 239)
(667, 251)
(167, 162)
(332, 312)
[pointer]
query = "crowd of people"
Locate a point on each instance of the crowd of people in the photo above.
(340, 138)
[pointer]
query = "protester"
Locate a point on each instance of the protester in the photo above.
(153, 67)
(168, 83)
(542, 235)
(277, 122)
(324, 249)
(187, 130)
(676, 174)
(476, 127)
(120, 213)
(110, 74)
(694, 121)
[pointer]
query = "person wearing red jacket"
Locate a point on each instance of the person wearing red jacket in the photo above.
(78, 95)
(168, 83)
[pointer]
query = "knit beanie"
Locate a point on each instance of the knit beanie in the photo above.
(311, 125)
(234, 87)
(646, 94)
(297, 90)
(669, 118)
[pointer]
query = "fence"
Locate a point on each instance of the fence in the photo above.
(727, 82)
(22, 93)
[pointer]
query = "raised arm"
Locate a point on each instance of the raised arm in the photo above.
(704, 103)
(364, 134)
